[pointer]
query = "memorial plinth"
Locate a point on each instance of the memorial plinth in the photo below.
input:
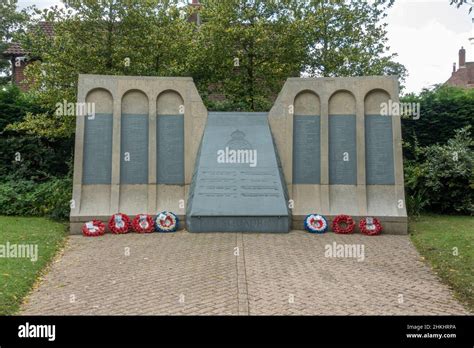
(243, 193)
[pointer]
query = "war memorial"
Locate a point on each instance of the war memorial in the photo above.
(324, 148)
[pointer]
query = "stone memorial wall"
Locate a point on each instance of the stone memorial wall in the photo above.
(325, 147)
(355, 148)
(136, 153)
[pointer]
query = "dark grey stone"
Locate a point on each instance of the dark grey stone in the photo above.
(232, 197)
(379, 150)
(97, 162)
(342, 139)
(306, 149)
(170, 149)
(134, 140)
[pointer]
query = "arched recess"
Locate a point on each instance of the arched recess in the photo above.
(134, 138)
(342, 139)
(97, 151)
(378, 139)
(306, 138)
(170, 138)
(307, 103)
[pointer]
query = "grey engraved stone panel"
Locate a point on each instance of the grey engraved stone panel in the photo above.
(342, 150)
(134, 141)
(170, 149)
(97, 162)
(237, 185)
(306, 149)
(379, 150)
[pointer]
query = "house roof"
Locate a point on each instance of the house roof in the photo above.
(463, 77)
(14, 49)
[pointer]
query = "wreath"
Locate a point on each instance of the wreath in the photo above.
(93, 228)
(343, 224)
(119, 223)
(143, 223)
(166, 222)
(370, 226)
(315, 223)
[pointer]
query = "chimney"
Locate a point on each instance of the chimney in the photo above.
(454, 67)
(195, 16)
(462, 58)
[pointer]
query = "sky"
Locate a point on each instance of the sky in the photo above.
(426, 35)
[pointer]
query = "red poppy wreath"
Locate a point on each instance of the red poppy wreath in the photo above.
(119, 223)
(93, 228)
(343, 224)
(370, 226)
(143, 223)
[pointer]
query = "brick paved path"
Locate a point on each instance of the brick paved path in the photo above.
(235, 273)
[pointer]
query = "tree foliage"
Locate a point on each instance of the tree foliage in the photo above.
(441, 177)
(28, 156)
(443, 110)
(273, 40)
(459, 3)
(244, 49)
(11, 23)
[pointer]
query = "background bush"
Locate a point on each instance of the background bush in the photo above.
(40, 183)
(443, 110)
(440, 178)
(26, 197)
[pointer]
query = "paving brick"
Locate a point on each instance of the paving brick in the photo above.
(274, 274)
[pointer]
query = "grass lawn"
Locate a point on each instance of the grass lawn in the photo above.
(436, 237)
(17, 275)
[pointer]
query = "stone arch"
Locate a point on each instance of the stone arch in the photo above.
(134, 138)
(379, 155)
(135, 102)
(373, 101)
(307, 103)
(170, 138)
(168, 103)
(103, 100)
(342, 140)
(342, 102)
(98, 128)
(306, 138)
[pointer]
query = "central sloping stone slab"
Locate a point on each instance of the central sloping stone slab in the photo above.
(237, 185)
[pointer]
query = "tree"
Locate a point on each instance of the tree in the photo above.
(11, 22)
(459, 3)
(444, 109)
(273, 40)
(348, 38)
(247, 49)
(114, 37)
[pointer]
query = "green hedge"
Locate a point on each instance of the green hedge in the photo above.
(443, 110)
(25, 197)
(441, 177)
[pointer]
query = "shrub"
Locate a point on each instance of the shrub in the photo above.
(25, 197)
(440, 179)
(28, 156)
(443, 110)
